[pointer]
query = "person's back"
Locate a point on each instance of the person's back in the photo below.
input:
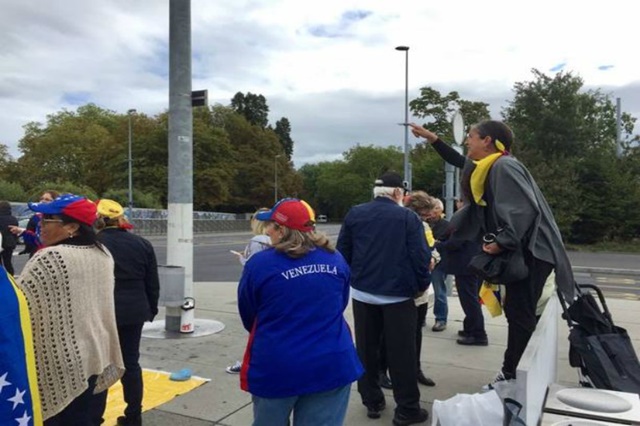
(382, 241)
(136, 291)
(9, 241)
(302, 299)
(385, 246)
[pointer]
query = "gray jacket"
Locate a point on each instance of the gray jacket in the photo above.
(516, 205)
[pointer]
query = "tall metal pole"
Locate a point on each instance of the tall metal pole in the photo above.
(407, 172)
(275, 179)
(180, 194)
(131, 111)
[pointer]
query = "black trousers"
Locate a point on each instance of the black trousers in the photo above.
(397, 322)
(7, 258)
(78, 412)
(520, 310)
(132, 385)
(422, 314)
(468, 287)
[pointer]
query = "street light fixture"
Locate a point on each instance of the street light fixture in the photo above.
(407, 173)
(275, 178)
(129, 113)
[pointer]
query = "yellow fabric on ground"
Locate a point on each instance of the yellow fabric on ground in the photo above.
(158, 389)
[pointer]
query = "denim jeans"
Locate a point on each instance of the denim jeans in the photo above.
(440, 307)
(314, 409)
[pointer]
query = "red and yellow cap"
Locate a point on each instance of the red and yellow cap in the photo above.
(292, 213)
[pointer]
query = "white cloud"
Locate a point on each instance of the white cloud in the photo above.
(330, 67)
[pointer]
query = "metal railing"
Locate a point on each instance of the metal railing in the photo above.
(151, 227)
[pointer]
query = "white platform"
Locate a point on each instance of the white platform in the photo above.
(594, 404)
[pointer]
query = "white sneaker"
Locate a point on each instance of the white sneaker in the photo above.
(500, 377)
(235, 368)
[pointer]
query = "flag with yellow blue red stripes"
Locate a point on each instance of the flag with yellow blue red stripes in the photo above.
(19, 398)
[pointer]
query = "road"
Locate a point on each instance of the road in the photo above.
(213, 262)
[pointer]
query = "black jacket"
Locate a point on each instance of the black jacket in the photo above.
(385, 246)
(136, 271)
(9, 241)
(456, 255)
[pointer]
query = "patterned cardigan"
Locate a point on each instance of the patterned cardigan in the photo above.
(69, 290)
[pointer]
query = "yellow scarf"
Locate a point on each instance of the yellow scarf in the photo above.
(480, 173)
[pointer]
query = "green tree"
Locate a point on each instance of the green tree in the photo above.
(254, 161)
(11, 191)
(566, 136)
(213, 172)
(431, 104)
(144, 200)
(72, 146)
(283, 130)
(252, 107)
(333, 187)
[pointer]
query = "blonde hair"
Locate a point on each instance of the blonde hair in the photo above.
(296, 243)
(258, 226)
(116, 222)
(438, 204)
(419, 200)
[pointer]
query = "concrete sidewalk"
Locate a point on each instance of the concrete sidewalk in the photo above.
(455, 368)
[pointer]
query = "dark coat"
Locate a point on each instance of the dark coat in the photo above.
(136, 271)
(9, 241)
(385, 246)
(456, 255)
(515, 205)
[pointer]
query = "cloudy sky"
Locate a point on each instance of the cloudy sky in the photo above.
(330, 67)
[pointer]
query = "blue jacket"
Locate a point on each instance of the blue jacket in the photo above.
(385, 247)
(299, 341)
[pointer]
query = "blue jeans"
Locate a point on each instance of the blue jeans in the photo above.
(314, 409)
(440, 307)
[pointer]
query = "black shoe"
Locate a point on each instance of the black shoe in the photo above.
(473, 341)
(373, 411)
(402, 419)
(129, 421)
(424, 380)
(384, 381)
(462, 333)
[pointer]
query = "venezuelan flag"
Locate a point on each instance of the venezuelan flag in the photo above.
(490, 298)
(19, 398)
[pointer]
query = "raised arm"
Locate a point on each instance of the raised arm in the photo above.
(447, 153)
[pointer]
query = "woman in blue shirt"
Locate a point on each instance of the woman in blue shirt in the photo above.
(300, 356)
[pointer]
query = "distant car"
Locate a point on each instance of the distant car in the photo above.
(321, 218)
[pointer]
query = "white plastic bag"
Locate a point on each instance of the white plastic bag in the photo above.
(479, 409)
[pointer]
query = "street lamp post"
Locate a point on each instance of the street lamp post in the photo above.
(275, 178)
(407, 173)
(129, 113)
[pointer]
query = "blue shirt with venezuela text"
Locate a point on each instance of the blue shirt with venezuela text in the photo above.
(299, 341)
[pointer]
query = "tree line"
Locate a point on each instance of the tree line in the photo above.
(565, 135)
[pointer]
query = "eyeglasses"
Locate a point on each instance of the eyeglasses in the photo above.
(43, 221)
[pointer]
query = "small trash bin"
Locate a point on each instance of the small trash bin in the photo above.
(171, 285)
